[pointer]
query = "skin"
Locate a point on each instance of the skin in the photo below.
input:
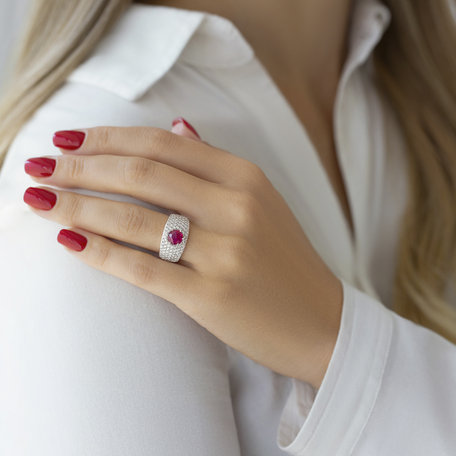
(280, 306)
(303, 45)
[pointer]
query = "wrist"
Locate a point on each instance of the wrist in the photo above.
(329, 334)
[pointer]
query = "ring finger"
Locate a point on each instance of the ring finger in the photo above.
(114, 219)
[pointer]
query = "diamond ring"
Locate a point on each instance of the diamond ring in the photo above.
(174, 237)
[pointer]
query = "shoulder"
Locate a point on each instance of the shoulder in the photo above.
(122, 82)
(142, 71)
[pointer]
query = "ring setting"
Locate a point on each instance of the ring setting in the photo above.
(174, 237)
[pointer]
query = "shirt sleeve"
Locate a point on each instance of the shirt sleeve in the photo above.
(388, 390)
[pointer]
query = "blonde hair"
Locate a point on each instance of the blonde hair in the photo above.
(416, 71)
(58, 35)
(416, 68)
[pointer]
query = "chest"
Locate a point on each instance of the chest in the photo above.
(321, 133)
(327, 153)
(317, 116)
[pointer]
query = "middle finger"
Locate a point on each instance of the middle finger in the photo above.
(141, 178)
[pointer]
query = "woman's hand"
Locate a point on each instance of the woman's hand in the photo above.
(248, 273)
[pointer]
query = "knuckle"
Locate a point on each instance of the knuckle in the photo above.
(131, 222)
(251, 174)
(163, 138)
(236, 252)
(73, 167)
(138, 170)
(74, 208)
(101, 256)
(245, 210)
(219, 291)
(101, 138)
(142, 272)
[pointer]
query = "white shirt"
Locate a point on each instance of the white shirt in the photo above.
(94, 365)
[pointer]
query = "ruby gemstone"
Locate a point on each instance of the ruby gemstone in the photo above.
(175, 237)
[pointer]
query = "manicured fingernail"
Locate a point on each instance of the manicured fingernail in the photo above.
(39, 166)
(68, 139)
(40, 198)
(72, 240)
(190, 127)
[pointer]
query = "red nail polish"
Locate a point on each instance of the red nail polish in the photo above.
(72, 240)
(190, 127)
(68, 139)
(39, 166)
(40, 198)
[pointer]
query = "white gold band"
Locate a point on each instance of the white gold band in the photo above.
(174, 237)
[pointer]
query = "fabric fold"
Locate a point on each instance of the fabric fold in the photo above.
(340, 408)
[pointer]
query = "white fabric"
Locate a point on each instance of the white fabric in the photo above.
(91, 365)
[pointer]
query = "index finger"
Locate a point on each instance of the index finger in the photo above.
(194, 157)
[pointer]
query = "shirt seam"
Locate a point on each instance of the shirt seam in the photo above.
(380, 383)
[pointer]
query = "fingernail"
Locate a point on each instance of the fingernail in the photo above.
(40, 198)
(39, 166)
(72, 240)
(190, 127)
(68, 139)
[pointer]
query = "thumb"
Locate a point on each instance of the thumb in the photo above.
(183, 128)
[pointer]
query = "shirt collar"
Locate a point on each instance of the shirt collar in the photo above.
(370, 19)
(148, 40)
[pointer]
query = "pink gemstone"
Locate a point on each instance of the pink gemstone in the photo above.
(175, 237)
